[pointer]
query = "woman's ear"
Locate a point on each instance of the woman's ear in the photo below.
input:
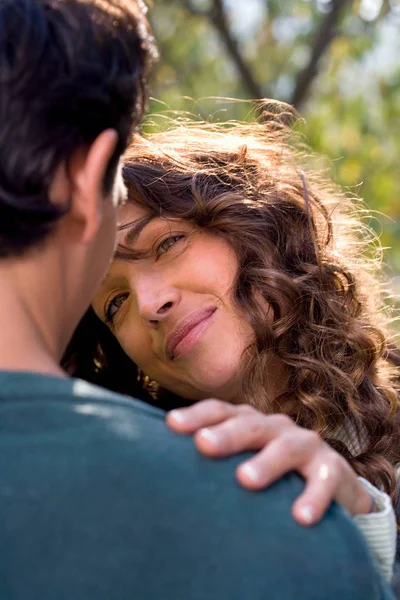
(81, 180)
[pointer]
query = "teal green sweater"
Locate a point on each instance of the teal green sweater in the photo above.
(99, 500)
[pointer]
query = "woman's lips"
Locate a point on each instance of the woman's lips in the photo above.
(187, 332)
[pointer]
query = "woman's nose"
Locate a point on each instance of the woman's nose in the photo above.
(156, 304)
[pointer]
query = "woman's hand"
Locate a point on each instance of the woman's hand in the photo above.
(222, 429)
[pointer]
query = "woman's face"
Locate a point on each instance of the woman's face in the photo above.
(172, 310)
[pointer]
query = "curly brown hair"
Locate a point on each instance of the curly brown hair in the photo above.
(302, 248)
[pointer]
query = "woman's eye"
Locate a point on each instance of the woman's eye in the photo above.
(114, 306)
(168, 243)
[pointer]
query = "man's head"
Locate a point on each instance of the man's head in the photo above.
(73, 79)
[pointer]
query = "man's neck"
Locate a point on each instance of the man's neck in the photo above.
(31, 321)
(22, 349)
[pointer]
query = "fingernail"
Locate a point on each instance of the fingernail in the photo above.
(177, 416)
(307, 514)
(210, 436)
(250, 472)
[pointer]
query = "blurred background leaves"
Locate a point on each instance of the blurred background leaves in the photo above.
(337, 61)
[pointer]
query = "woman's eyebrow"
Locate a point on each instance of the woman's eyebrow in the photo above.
(135, 228)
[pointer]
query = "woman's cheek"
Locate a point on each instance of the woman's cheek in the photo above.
(138, 349)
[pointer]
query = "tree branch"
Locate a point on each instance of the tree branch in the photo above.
(190, 7)
(219, 20)
(322, 41)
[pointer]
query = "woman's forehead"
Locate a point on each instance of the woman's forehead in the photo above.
(131, 211)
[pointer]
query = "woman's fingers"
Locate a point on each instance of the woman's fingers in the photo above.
(290, 450)
(204, 414)
(329, 477)
(252, 432)
(323, 480)
(223, 429)
(235, 435)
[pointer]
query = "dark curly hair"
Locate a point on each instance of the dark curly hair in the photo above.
(301, 247)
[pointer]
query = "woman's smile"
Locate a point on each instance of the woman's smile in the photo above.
(185, 335)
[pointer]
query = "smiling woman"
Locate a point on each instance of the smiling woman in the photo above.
(172, 284)
(244, 275)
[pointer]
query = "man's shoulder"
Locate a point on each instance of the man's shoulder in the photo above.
(100, 493)
(82, 392)
(102, 443)
(80, 396)
(48, 424)
(43, 410)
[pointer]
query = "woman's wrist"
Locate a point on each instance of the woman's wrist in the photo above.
(379, 501)
(379, 528)
(365, 503)
(374, 507)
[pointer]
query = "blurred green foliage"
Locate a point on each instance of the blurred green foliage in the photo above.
(351, 100)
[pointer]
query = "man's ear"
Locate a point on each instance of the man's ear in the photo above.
(83, 180)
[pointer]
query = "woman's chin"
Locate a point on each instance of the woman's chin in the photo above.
(223, 389)
(206, 373)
